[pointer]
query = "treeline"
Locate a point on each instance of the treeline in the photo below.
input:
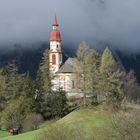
(102, 78)
(25, 102)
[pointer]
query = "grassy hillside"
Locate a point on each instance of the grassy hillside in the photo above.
(25, 136)
(3, 134)
(87, 118)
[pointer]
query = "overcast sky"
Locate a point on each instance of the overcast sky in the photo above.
(116, 22)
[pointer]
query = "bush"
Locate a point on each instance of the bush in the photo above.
(13, 114)
(63, 132)
(32, 121)
(122, 127)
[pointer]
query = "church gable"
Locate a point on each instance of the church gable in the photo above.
(67, 67)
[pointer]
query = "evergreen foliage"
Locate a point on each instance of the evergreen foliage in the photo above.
(29, 94)
(43, 86)
(52, 104)
(110, 83)
(101, 76)
(91, 71)
(14, 81)
(82, 52)
(107, 61)
(17, 96)
(59, 104)
(88, 61)
(45, 74)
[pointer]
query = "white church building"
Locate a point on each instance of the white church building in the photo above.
(64, 74)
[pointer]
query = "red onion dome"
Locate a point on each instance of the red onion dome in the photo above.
(55, 35)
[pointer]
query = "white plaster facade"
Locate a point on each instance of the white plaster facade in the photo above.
(64, 81)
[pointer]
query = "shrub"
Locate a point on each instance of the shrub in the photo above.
(63, 132)
(122, 127)
(13, 114)
(32, 121)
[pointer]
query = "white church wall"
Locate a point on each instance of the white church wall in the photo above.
(64, 81)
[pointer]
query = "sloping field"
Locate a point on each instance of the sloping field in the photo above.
(86, 118)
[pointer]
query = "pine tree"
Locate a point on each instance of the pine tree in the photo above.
(14, 80)
(52, 104)
(82, 51)
(28, 93)
(88, 61)
(59, 106)
(45, 73)
(91, 71)
(107, 61)
(110, 84)
(39, 93)
(44, 87)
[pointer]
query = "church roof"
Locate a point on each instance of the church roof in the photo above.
(67, 67)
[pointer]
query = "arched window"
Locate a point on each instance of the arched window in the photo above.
(53, 59)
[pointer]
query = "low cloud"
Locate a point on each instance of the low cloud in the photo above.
(115, 22)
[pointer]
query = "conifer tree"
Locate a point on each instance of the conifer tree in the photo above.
(14, 80)
(82, 51)
(91, 71)
(29, 94)
(45, 73)
(59, 105)
(52, 104)
(11, 83)
(110, 84)
(39, 92)
(44, 87)
(107, 61)
(88, 61)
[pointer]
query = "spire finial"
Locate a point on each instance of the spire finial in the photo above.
(55, 21)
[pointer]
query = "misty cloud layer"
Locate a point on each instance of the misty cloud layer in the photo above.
(116, 22)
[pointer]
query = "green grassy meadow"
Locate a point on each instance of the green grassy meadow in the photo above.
(89, 119)
(3, 134)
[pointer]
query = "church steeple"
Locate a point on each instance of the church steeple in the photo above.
(55, 34)
(55, 54)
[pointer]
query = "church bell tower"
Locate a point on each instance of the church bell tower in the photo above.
(55, 54)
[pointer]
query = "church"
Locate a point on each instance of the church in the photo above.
(64, 73)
